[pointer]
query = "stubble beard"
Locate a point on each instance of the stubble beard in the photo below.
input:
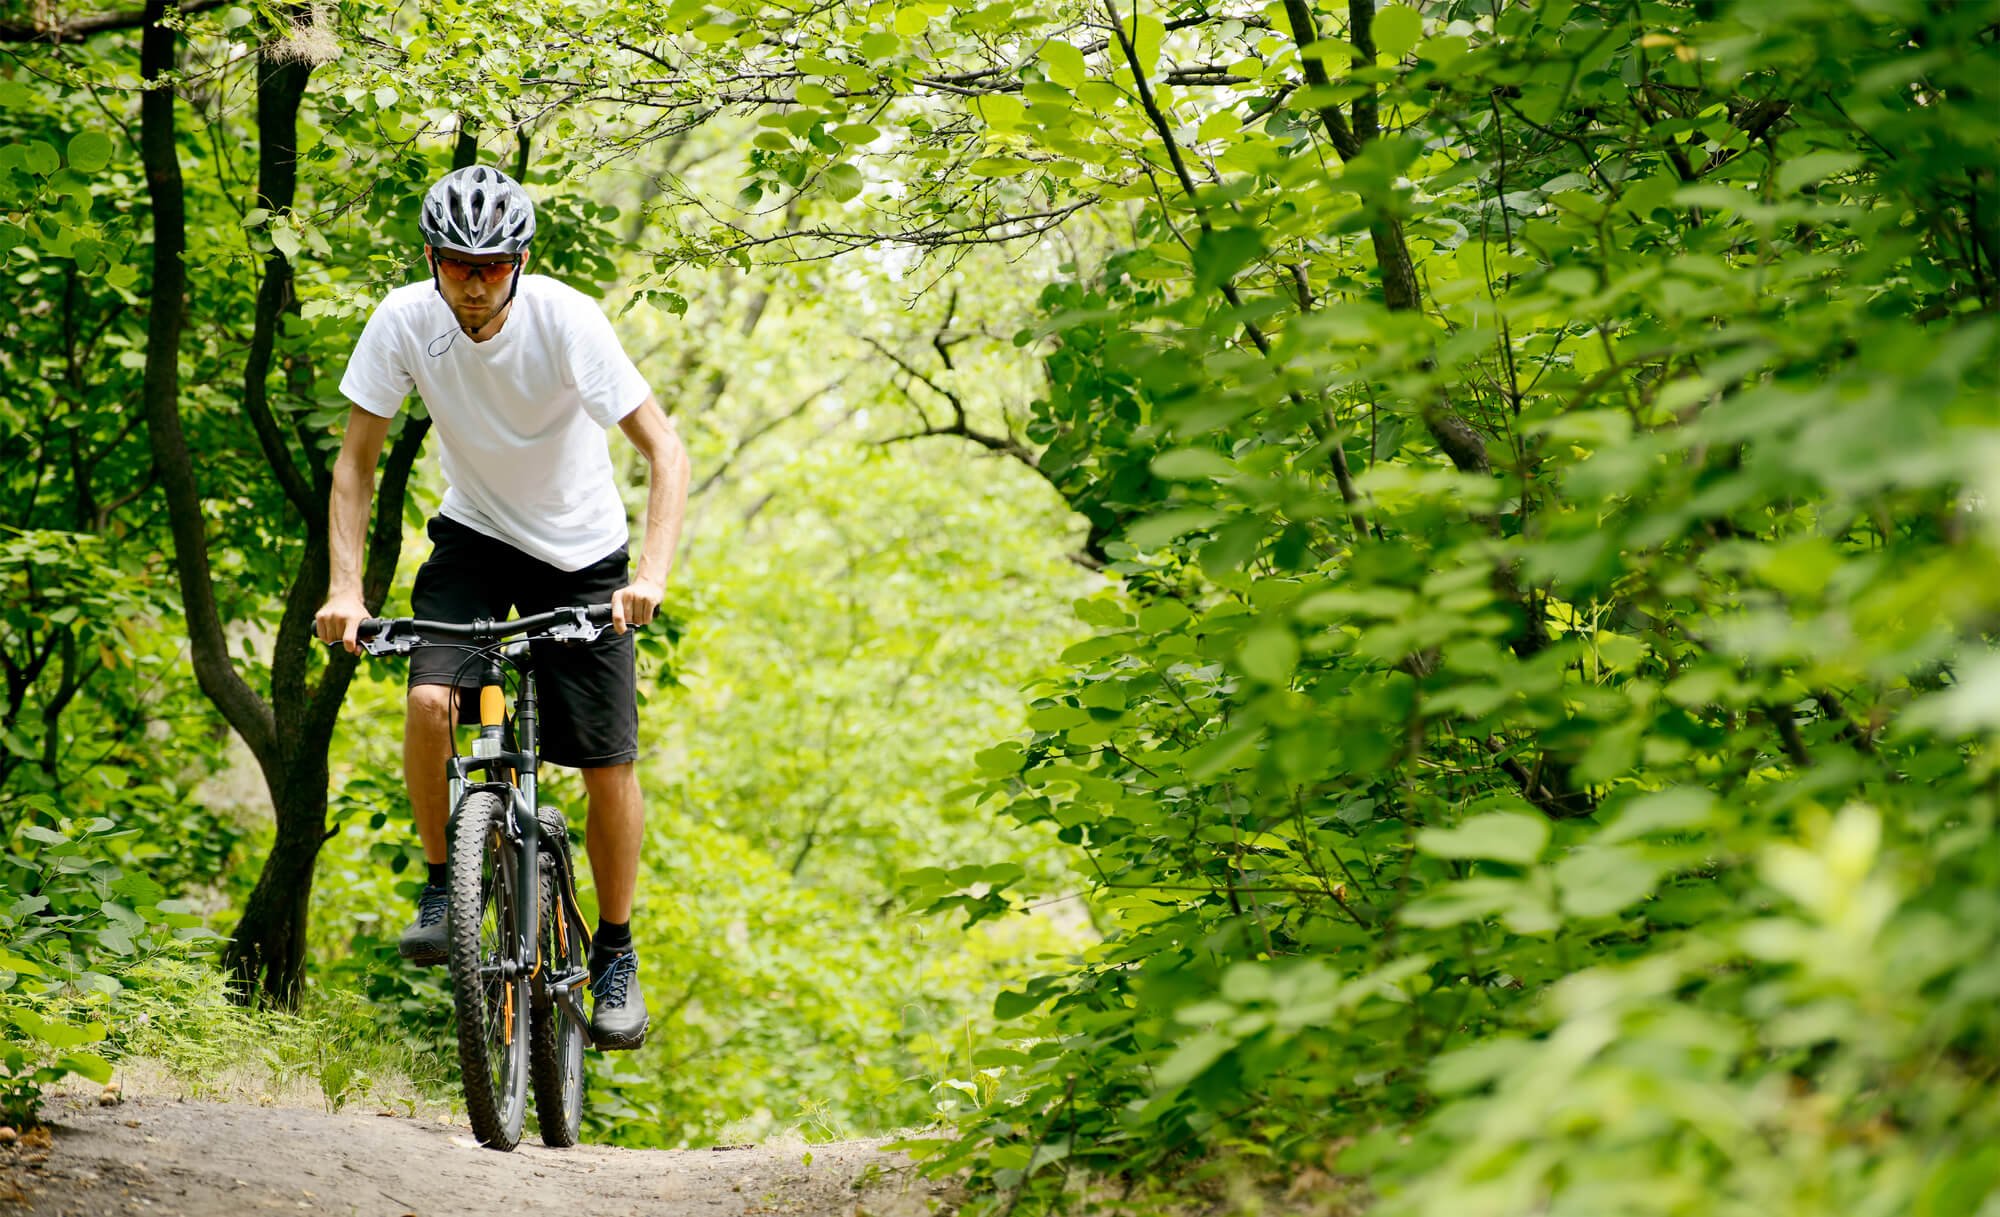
(472, 321)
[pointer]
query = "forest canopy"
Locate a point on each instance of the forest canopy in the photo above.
(1398, 598)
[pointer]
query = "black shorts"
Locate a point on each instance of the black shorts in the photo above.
(588, 693)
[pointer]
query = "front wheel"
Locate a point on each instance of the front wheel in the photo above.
(489, 969)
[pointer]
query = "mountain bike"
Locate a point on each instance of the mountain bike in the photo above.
(517, 946)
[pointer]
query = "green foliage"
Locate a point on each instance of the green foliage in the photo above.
(78, 926)
(1539, 765)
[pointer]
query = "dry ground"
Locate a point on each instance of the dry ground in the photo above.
(209, 1159)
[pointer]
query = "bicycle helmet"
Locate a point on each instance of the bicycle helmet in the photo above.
(478, 210)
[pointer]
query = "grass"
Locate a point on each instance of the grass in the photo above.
(175, 1033)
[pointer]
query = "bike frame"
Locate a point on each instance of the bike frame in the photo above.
(510, 773)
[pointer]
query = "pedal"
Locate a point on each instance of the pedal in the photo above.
(567, 996)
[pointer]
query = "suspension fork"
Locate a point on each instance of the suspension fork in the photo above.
(527, 826)
(523, 831)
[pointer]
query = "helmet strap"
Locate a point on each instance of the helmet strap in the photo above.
(514, 285)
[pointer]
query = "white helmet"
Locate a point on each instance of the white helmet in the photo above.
(478, 210)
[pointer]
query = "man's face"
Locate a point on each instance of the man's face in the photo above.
(474, 301)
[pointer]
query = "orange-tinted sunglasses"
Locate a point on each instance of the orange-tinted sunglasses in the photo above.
(491, 272)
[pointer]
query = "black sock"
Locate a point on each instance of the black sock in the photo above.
(613, 938)
(438, 877)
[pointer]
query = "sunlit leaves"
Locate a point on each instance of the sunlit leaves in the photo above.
(1550, 719)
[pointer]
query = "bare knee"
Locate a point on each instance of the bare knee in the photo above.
(610, 778)
(430, 709)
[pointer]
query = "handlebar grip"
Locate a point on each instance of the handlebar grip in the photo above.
(369, 627)
(598, 614)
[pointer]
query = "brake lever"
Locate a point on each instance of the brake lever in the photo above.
(389, 642)
(578, 629)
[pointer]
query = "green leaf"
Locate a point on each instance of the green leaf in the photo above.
(1813, 167)
(880, 45)
(1497, 836)
(1192, 465)
(1093, 649)
(1063, 63)
(1397, 28)
(57, 1035)
(1011, 1004)
(89, 151)
(88, 1064)
(1166, 526)
(1057, 718)
(1269, 654)
(843, 180)
(1146, 33)
(1477, 1064)
(1679, 809)
(1602, 881)
(999, 166)
(1001, 111)
(1221, 252)
(1469, 900)
(1162, 615)
(1193, 1058)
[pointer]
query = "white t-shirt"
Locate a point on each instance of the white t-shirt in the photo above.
(520, 417)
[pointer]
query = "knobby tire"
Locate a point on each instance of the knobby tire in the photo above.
(485, 883)
(555, 1042)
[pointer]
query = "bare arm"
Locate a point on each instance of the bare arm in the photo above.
(666, 506)
(347, 525)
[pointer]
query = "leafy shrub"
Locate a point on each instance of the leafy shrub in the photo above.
(1540, 763)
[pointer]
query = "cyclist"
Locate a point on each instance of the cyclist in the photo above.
(523, 377)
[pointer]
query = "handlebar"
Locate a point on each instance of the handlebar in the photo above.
(391, 635)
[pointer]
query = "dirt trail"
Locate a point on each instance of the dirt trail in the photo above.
(197, 1159)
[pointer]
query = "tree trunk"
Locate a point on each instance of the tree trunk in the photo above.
(267, 954)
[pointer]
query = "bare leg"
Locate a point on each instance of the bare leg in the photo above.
(426, 748)
(612, 834)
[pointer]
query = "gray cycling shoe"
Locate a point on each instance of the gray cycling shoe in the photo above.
(618, 1020)
(423, 943)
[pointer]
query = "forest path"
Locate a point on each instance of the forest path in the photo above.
(200, 1159)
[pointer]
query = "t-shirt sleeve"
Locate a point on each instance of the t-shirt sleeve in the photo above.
(605, 378)
(376, 379)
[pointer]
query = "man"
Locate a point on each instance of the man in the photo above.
(522, 377)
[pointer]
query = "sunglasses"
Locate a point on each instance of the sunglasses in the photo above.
(491, 272)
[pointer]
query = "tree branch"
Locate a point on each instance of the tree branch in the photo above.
(82, 29)
(219, 680)
(281, 84)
